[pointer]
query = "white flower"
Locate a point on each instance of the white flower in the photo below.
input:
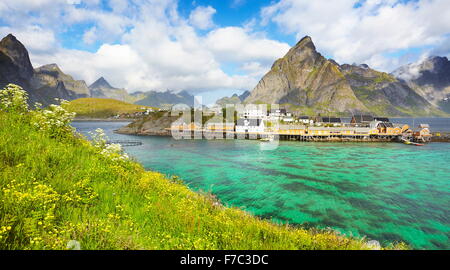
(112, 151)
(13, 98)
(55, 119)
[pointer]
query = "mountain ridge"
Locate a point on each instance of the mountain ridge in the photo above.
(305, 80)
(234, 99)
(430, 78)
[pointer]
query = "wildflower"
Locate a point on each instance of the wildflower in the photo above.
(112, 151)
(13, 99)
(55, 119)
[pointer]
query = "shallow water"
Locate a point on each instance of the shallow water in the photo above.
(385, 191)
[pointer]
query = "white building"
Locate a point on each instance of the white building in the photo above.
(288, 119)
(253, 112)
(250, 125)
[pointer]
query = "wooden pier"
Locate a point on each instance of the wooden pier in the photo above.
(125, 142)
(200, 134)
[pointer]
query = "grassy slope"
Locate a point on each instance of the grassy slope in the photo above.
(54, 190)
(102, 107)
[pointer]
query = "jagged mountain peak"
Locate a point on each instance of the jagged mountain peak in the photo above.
(436, 67)
(49, 67)
(430, 78)
(435, 63)
(100, 82)
(304, 49)
(305, 42)
(9, 38)
(436, 58)
(16, 51)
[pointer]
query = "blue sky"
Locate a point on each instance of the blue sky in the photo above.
(217, 47)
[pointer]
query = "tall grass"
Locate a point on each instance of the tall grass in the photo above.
(54, 189)
(102, 107)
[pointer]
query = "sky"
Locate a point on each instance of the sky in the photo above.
(216, 48)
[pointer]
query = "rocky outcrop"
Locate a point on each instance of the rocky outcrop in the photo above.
(309, 82)
(18, 55)
(15, 65)
(155, 124)
(430, 78)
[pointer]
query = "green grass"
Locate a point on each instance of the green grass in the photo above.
(102, 107)
(57, 189)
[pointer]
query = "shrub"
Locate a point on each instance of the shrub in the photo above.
(13, 99)
(55, 119)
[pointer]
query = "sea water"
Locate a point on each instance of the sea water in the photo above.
(385, 191)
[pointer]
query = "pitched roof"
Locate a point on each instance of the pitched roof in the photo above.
(360, 118)
(326, 119)
(382, 119)
(282, 111)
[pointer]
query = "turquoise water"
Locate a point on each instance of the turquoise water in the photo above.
(385, 191)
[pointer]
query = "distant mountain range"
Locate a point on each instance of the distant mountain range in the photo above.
(48, 82)
(302, 80)
(234, 99)
(430, 78)
(305, 80)
(167, 98)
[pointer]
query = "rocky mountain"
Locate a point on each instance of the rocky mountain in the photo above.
(49, 81)
(167, 98)
(15, 65)
(383, 94)
(234, 99)
(430, 78)
(102, 89)
(43, 84)
(309, 82)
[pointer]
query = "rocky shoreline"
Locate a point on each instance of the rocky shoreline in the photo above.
(153, 125)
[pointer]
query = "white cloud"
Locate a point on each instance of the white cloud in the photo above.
(366, 33)
(237, 44)
(255, 69)
(35, 38)
(237, 3)
(145, 46)
(201, 17)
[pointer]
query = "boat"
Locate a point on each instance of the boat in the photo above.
(267, 139)
(408, 142)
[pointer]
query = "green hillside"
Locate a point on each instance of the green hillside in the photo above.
(102, 107)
